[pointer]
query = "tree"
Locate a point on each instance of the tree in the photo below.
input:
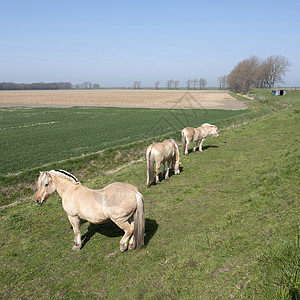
(35, 86)
(137, 84)
(170, 83)
(156, 85)
(194, 83)
(254, 72)
(188, 83)
(222, 81)
(243, 76)
(176, 83)
(276, 68)
(96, 86)
(202, 83)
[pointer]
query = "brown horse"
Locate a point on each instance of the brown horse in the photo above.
(196, 134)
(161, 153)
(120, 202)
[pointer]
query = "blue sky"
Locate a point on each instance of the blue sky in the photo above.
(115, 43)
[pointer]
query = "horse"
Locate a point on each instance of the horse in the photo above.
(120, 202)
(196, 134)
(160, 153)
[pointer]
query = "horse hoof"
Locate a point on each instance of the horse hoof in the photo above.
(75, 248)
(148, 185)
(158, 182)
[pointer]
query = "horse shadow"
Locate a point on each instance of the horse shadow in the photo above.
(203, 148)
(110, 229)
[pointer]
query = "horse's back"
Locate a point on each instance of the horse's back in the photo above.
(121, 185)
(120, 199)
(188, 132)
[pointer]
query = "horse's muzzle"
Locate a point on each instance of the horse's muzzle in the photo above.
(39, 202)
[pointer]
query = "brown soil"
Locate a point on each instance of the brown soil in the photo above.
(210, 99)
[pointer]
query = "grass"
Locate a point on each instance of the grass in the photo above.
(32, 137)
(226, 227)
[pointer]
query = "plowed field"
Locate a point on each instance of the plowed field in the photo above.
(210, 99)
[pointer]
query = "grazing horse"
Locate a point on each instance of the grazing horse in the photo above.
(196, 134)
(120, 202)
(160, 153)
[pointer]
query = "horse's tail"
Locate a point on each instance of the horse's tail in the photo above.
(183, 140)
(139, 221)
(150, 165)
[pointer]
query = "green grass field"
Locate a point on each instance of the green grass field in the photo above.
(32, 137)
(227, 227)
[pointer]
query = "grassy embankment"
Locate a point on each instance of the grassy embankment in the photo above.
(83, 140)
(226, 227)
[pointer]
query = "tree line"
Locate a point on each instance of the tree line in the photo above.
(35, 86)
(87, 85)
(254, 72)
(174, 84)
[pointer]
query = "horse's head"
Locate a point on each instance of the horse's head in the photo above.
(46, 187)
(176, 166)
(214, 132)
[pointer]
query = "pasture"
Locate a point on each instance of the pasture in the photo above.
(32, 137)
(226, 227)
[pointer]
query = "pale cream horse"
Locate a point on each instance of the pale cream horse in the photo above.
(161, 153)
(120, 202)
(196, 134)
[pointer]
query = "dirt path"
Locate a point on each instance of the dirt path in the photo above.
(175, 99)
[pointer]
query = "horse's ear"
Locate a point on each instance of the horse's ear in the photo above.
(44, 172)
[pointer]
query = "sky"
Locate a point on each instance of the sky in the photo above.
(114, 43)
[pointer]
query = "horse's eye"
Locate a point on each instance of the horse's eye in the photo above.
(46, 184)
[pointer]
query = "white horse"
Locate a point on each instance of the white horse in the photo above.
(196, 134)
(161, 153)
(120, 202)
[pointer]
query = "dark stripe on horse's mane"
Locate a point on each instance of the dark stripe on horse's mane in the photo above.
(67, 174)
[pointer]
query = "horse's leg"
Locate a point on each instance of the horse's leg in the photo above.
(157, 167)
(195, 147)
(168, 169)
(128, 228)
(162, 170)
(186, 147)
(131, 245)
(200, 146)
(75, 222)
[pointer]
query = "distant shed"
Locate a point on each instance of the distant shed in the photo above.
(278, 92)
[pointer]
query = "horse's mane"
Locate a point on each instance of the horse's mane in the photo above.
(66, 175)
(207, 124)
(177, 149)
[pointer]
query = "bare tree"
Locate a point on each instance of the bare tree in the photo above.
(222, 81)
(137, 84)
(156, 85)
(188, 83)
(176, 83)
(253, 72)
(243, 76)
(96, 86)
(276, 68)
(202, 83)
(170, 83)
(194, 83)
